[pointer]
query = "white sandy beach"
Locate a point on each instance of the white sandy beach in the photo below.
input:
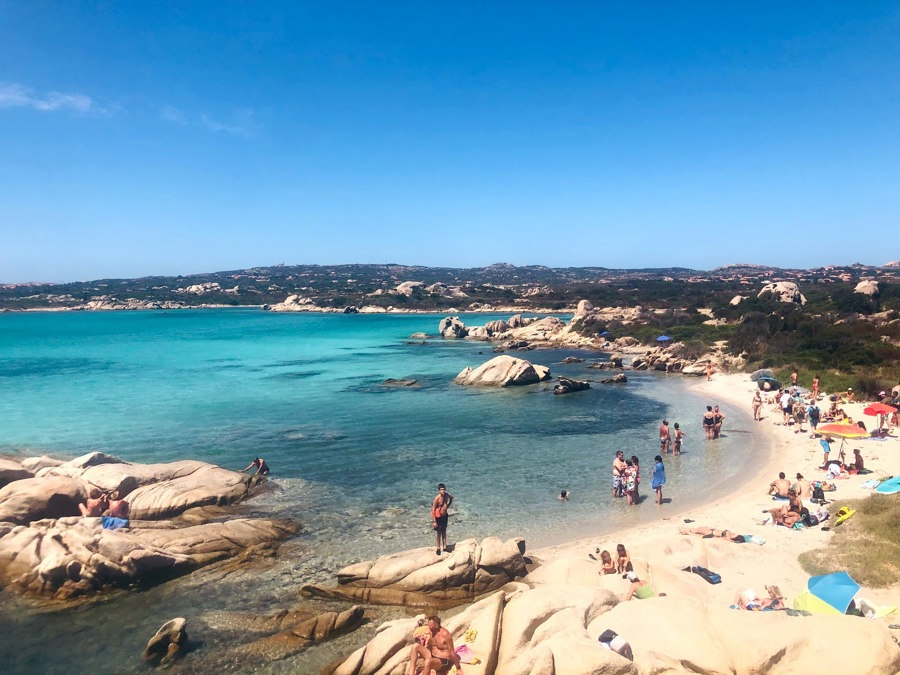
(747, 565)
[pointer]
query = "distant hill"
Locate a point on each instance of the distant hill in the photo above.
(431, 288)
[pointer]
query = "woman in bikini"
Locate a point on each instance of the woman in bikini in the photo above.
(709, 422)
(757, 405)
(709, 532)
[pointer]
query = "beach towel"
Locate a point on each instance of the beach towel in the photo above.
(111, 523)
(889, 487)
(466, 655)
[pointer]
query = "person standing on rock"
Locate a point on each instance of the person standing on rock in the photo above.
(439, 517)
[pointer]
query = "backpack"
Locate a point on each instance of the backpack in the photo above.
(818, 495)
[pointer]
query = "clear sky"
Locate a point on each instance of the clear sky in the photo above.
(141, 138)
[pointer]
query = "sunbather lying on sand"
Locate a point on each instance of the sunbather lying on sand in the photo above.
(713, 532)
(748, 599)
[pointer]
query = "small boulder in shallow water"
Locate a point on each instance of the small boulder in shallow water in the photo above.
(168, 642)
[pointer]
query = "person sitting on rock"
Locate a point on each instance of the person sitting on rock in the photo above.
(638, 589)
(421, 635)
(95, 504)
(118, 508)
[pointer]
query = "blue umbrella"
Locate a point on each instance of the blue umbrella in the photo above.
(663, 338)
(836, 589)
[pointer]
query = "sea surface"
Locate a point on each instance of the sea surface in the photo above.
(355, 462)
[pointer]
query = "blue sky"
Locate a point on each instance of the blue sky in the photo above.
(141, 138)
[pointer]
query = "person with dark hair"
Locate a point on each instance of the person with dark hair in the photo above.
(676, 442)
(439, 517)
(709, 422)
(718, 417)
(780, 487)
(664, 437)
(440, 644)
(262, 469)
(659, 478)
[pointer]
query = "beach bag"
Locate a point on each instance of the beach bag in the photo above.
(810, 520)
(818, 495)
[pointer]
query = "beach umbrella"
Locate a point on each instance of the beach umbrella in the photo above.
(842, 430)
(879, 409)
(663, 338)
(828, 594)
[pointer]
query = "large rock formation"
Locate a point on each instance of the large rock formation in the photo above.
(29, 499)
(867, 287)
(550, 625)
(452, 327)
(47, 548)
(503, 371)
(74, 556)
(783, 291)
(153, 490)
(420, 577)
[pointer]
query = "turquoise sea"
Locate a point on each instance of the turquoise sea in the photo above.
(355, 462)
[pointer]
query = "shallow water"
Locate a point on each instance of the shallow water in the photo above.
(355, 462)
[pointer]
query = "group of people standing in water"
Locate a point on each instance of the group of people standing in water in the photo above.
(627, 478)
(712, 422)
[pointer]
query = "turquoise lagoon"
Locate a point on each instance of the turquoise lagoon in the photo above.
(356, 463)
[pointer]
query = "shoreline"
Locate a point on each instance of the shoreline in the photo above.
(747, 565)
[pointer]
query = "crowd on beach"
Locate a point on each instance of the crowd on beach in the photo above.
(801, 501)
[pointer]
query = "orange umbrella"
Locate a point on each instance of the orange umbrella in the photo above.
(879, 409)
(842, 430)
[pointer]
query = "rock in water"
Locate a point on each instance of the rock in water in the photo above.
(503, 371)
(168, 642)
(565, 385)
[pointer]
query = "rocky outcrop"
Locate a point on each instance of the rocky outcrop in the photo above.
(551, 625)
(565, 385)
(294, 303)
(471, 569)
(29, 499)
(154, 490)
(619, 378)
(503, 371)
(452, 327)
(867, 287)
(10, 470)
(73, 556)
(47, 548)
(168, 642)
(783, 291)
